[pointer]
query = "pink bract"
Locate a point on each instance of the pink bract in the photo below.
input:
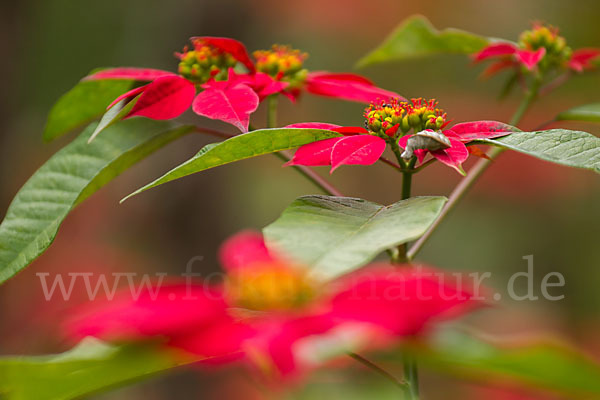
(231, 103)
(166, 97)
(357, 150)
(136, 74)
(347, 86)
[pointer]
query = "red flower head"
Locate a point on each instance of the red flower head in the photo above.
(389, 123)
(539, 48)
(272, 314)
(211, 61)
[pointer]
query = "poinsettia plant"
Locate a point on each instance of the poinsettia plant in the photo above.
(306, 293)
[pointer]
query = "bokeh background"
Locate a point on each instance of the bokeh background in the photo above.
(520, 207)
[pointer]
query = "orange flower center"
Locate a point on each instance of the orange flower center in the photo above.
(270, 287)
(417, 114)
(282, 63)
(204, 62)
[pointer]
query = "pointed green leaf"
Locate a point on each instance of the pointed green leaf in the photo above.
(335, 235)
(416, 37)
(560, 146)
(241, 147)
(90, 367)
(115, 114)
(545, 364)
(588, 112)
(68, 178)
(83, 104)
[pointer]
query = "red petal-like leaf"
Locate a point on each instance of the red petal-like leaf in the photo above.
(496, 50)
(244, 249)
(314, 125)
(453, 156)
(347, 87)
(357, 150)
(261, 83)
(164, 98)
(228, 103)
(314, 154)
(231, 46)
(498, 66)
(137, 74)
(351, 130)
(478, 152)
(581, 58)
(530, 58)
(468, 131)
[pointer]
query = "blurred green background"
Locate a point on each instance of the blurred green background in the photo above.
(520, 207)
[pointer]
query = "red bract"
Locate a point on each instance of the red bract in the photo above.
(359, 146)
(540, 45)
(211, 61)
(459, 135)
(270, 313)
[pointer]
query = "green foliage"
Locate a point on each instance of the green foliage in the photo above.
(69, 177)
(560, 146)
(542, 364)
(241, 147)
(82, 104)
(416, 37)
(90, 367)
(114, 115)
(588, 112)
(335, 235)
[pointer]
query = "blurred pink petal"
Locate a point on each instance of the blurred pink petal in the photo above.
(401, 300)
(314, 154)
(260, 82)
(496, 50)
(498, 66)
(243, 249)
(351, 130)
(161, 310)
(228, 103)
(347, 86)
(453, 156)
(531, 58)
(231, 46)
(164, 98)
(137, 74)
(357, 150)
(581, 58)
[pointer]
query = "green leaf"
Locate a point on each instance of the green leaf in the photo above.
(335, 235)
(241, 147)
(588, 112)
(68, 178)
(90, 367)
(115, 114)
(82, 104)
(416, 37)
(560, 146)
(543, 364)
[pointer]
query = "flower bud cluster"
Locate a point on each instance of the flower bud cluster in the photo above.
(204, 62)
(547, 37)
(282, 63)
(387, 118)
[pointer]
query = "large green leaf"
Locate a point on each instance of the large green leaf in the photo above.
(560, 146)
(82, 104)
(335, 235)
(68, 178)
(416, 37)
(588, 112)
(241, 147)
(88, 368)
(543, 364)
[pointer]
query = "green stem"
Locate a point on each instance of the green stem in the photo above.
(478, 169)
(272, 102)
(308, 173)
(411, 375)
(403, 385)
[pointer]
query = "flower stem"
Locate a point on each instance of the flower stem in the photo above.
(403, 385)
(308, 173)
(475, 172)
